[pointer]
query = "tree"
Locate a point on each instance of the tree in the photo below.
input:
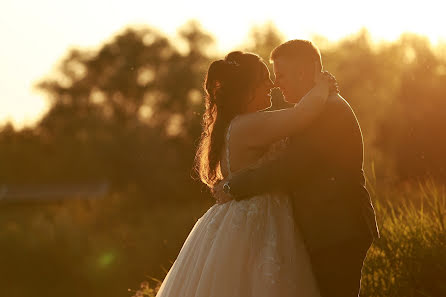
(128, 112)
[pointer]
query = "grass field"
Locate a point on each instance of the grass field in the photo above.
(122, 245)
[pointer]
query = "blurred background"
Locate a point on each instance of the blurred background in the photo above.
(100, 110)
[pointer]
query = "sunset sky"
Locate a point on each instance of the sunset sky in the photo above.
(35, 35)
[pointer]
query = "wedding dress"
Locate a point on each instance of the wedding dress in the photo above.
(245, 248)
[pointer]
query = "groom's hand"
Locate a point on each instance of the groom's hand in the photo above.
(220, 196)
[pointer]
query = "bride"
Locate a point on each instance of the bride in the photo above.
(249, 247)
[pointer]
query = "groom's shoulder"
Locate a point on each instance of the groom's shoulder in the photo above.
(340, 112)
(336, 100)
(337, 104)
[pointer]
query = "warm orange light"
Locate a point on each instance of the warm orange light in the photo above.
(35, 38)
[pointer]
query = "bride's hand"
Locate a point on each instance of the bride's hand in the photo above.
(324, 80)
(321, 82)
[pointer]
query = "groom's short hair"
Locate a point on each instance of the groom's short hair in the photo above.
(303, 50)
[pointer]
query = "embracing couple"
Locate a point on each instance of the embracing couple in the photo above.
(293, 216)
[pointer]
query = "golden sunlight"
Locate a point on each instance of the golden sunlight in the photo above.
(35, 38)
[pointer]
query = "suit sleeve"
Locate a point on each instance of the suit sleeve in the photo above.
(279, 173)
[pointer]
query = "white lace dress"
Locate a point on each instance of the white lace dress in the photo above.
(245, 248)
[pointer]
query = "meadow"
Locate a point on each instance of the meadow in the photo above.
(129, 113)
(109, 246)
(410, 257)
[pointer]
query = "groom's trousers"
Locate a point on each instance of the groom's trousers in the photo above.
(337, 244)
(338, 269)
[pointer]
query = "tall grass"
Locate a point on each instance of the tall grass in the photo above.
(103, 247)
(409, 260)
(90, 248)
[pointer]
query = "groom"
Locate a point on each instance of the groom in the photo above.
(322, 171)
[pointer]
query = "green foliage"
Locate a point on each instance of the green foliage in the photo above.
(90, 247)
(129, 113)
(135, 103)
(133, 107)
(397, 91)
(145, 290)
(105, 246)
(410, 258)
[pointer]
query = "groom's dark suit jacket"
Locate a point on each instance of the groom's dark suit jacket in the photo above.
(322, 171)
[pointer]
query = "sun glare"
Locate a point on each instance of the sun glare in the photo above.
(36, 38)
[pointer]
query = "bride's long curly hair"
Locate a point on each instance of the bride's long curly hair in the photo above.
(228, 85)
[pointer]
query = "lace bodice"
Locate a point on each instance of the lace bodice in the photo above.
(273, 151)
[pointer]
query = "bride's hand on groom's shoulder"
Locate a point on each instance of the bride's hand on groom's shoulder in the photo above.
(333, 87)
(325, 79)
(220, 196)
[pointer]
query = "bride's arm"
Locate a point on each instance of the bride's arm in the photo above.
(260, 129)
(273, 174)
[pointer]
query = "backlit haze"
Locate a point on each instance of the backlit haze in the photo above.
(35, 35)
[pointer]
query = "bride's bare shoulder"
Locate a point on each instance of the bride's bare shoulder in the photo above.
(249, 121)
